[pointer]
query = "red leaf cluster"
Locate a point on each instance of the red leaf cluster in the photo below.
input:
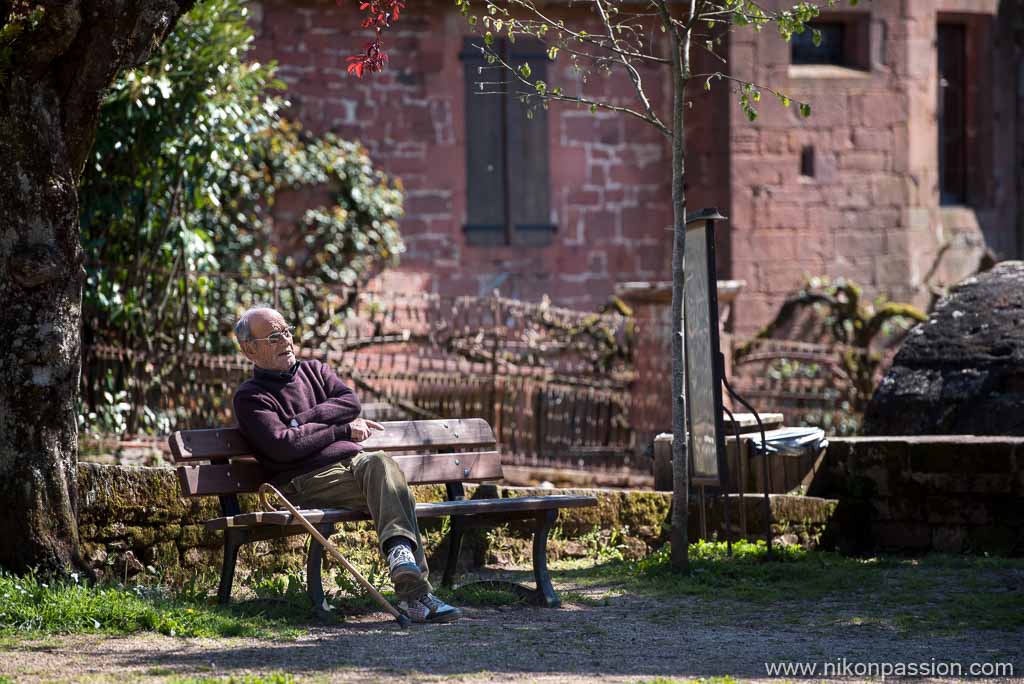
(379, 16)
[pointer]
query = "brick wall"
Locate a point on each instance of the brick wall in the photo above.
(871, 211)
(609, 174)
(953, 494)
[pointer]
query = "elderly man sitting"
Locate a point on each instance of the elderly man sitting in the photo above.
(304, 425)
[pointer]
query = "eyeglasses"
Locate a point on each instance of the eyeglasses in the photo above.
(275, 338)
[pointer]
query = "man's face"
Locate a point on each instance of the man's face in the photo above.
(279, 356)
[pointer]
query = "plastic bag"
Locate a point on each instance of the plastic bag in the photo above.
(794, 441)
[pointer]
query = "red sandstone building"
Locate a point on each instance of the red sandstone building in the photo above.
(909, 168)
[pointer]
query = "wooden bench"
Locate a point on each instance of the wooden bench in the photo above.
(219, 462)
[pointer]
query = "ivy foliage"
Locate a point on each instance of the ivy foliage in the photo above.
(182, 203)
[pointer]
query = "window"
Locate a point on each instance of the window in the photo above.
(952, 114)
(507, 177)
(807, 161)
(845, 42)
(829, 51)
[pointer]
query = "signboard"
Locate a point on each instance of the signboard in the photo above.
(703, 360)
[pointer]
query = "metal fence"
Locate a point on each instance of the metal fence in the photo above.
(554, 383)
(820, 385)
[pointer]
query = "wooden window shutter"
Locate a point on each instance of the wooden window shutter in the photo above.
(486, 165)
(529, 177)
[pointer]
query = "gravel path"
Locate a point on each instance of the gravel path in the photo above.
(604, 636)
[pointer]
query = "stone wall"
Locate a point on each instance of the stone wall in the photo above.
(132, 521)
(955, 494)
(871, 210)
(610, 180)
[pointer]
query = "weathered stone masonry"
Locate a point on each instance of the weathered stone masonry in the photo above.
(132, 520)
(951, 494)
(871, 210)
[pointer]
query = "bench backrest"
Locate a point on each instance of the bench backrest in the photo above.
(428, 451)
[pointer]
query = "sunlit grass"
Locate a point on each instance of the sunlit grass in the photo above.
(33, 608)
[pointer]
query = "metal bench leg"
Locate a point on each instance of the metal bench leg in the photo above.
(454, 550)
(314, 565)
(545, 591)
(233, 540)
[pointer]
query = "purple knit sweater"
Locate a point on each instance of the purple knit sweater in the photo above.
(297, 421)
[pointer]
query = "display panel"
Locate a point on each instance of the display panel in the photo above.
(703, 375)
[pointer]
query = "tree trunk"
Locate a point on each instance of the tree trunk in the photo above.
(49, 104)
(680, 461)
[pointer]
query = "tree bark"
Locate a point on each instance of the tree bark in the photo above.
(49, 107)
(680, 462)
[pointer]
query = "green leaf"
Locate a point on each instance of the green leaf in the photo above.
(524, 70)
(805, 109)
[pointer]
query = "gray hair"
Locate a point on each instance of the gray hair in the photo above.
(242, 330)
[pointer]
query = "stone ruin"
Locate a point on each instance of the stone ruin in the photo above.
(961, 371)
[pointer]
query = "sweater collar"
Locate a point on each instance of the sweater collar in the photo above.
(267, 374)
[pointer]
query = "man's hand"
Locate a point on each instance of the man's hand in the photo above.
(362, 429)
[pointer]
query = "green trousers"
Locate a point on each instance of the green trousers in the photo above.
(371, 482)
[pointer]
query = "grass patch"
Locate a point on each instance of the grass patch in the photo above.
(33, 608)
(273, 678)
(709, 680)
(479, 594)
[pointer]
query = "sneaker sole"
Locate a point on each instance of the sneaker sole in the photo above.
(450, 616)
(406, 573)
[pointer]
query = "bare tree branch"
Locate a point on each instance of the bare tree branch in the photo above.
(634, 75)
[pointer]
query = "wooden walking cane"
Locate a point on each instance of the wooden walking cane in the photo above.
(333, 550)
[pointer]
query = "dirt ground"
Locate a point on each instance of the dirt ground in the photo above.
(602, 633)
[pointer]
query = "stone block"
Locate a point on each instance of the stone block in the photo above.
(747, 170)
(879, 109)
(961, 483)
(949, 539)
(903, 535)
(892, 270)
(856, 243)
(141, 537)
(945, 509)
(1007, 510)
(995, 539)
(876, 219)
(890, 191)
(873, 139)
(964, 456)
(860, 161)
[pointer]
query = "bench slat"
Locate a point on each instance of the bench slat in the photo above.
(468, 507)
(241, 477)
(400, 435)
